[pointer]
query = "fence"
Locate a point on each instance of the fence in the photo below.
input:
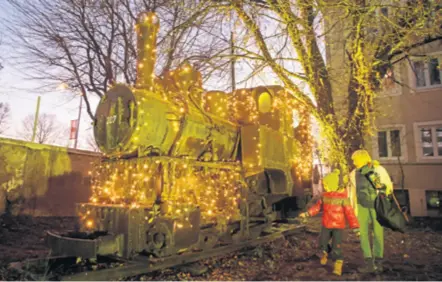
(43, 180)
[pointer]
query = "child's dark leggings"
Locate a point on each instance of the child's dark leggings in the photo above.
(336, 235)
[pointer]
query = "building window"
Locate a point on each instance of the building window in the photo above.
(434, 199)
(434, 71)
(431, 140)
(427, 73)
(389, 143)
(419, 72)
(382, 144)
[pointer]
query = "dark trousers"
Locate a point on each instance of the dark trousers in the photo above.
(336, 236)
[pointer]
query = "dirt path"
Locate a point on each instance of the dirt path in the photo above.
(413, 256)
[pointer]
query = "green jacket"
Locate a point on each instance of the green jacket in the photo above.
(384, 177)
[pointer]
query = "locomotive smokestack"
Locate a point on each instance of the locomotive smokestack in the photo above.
(147, 28)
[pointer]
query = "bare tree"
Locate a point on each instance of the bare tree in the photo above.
(369, 36)
(1, 65)
(90, 141)
(48, 129)
(91, 45)
(5, 112)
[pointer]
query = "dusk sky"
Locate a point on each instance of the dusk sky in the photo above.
(21, 93)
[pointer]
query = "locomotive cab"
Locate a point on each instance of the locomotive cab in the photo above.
(275, 149)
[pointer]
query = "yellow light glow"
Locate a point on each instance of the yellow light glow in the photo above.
(89, 223)
(131, 183)
(265, 102)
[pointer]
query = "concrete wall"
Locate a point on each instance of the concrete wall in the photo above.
(43, 180)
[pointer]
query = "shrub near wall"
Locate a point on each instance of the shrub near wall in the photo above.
(43, 180)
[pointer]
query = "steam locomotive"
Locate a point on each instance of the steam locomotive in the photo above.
(186, 168)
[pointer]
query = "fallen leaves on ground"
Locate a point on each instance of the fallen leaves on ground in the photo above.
(411, 256)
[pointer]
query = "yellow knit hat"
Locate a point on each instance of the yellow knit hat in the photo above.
(362, 156)
(331, 181)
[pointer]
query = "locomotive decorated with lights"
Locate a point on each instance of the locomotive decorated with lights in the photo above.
(188, 169)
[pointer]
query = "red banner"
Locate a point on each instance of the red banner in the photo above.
(74, 128)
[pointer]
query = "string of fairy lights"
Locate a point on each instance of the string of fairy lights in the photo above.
(131, 183)
(134, 183)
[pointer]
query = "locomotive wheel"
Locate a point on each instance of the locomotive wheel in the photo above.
(256, 230)
(260, 209)
(159, 240)
(207, 240)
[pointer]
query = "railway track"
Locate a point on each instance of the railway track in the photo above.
(68, 269)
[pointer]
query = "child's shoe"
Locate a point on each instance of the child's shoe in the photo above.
(324, 258)
(338, 267)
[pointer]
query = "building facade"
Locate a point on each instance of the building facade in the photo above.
(408, 140)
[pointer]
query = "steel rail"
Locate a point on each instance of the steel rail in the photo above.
(144, 266)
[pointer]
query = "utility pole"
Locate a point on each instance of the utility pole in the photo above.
(34, 131)
(232, 61)
(78, 121)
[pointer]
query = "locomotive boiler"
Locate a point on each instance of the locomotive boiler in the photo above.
(187, 169)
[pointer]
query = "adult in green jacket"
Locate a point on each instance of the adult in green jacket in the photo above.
(365, 180)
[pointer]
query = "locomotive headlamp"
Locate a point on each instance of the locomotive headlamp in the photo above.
(265, 102)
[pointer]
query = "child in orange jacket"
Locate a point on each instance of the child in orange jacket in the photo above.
(336, 209)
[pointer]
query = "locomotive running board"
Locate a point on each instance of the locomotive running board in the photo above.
(145, 265)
